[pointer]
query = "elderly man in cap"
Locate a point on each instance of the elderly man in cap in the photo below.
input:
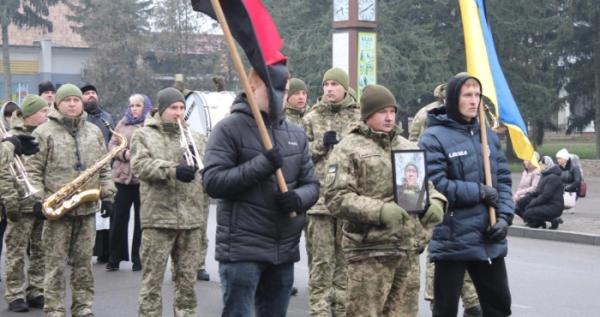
(47, 91)
(381, 240)
(68, 146)
(295, 105)
(24, 286)
(326, 124)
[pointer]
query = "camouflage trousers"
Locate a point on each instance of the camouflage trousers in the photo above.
(69, 238)
(184, 248)
(383, 286)
(327, 277)
(24, 282)
(468, 294)
(203, 247)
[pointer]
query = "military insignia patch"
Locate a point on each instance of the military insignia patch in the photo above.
(331, 174)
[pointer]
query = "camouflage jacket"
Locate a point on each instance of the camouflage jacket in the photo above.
(358, 183)
(67, 148)
(321, 118)
(166, 201)
(10, 192)
(7, 151)
(294, 115)
(419, 122)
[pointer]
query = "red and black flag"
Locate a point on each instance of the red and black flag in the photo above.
(253, 28)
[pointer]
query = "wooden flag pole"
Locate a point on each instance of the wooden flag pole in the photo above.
(485, 152)
(237, 62)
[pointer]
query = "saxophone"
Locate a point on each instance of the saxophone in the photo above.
(70, 196)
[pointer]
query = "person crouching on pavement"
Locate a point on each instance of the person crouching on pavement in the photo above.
(381, 241)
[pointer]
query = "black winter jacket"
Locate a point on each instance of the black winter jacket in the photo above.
(249, 225)
(455, 166)
(571, 177)
(549, 192)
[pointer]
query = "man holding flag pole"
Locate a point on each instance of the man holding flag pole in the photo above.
(466, 164)
(258, 166)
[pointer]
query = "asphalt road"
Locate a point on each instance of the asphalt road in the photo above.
(546, 279)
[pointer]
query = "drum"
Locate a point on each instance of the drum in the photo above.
(205, 109)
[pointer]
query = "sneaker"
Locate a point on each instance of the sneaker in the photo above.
(294, 291)
(111, 267)
(136, 267)
(474, 311)
(36, 302)
(202, 275)
(18, 306)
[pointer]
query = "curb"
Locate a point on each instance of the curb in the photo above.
(555, 235)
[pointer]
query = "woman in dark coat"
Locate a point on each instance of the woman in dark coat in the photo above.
(128, 188)
(546, 202)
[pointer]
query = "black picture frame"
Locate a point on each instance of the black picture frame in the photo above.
(414, 198)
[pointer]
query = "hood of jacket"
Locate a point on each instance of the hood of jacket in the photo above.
(241, 105)
(452, 96)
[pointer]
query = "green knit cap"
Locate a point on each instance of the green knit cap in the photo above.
(338, 75)
(32, 104)
(375, 98)
(296, 85)
(67, 90)
(168, 96)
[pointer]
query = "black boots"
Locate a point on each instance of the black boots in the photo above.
(555, 222)
(37, 302)
(18, 306)
(202, 275)
(474, 311)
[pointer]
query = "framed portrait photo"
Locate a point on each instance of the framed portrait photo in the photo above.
(410, 180)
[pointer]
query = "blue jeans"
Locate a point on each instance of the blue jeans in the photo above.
(255, 288)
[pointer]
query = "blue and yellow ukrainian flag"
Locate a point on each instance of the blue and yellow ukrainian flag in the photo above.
(482, 62)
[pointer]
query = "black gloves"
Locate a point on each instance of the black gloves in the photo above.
(488, 194)
(498, 232)
(274, 157)
(330, 139)
(37, 211)
(288, 202)
(24, 144)
(106, 209)
(185, 173)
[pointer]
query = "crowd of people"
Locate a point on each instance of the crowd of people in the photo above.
(545, 191)
(363, 245)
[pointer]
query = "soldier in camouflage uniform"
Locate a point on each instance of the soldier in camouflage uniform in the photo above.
(381, 241)
(24, 288)
(468, 295)
(171, 213)
(419, 122)
(68, 146)
(325, 125)
(295, 105)
(202, 274)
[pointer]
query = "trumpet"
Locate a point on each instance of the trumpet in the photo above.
(190, 150)
(17, 170)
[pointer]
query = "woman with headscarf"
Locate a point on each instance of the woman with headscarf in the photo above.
(529, 179)
(546, 202)
(128, 188)
(571, 177)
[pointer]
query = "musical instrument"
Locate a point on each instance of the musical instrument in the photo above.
(190, 150)
(70, 196)
(17, 170)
